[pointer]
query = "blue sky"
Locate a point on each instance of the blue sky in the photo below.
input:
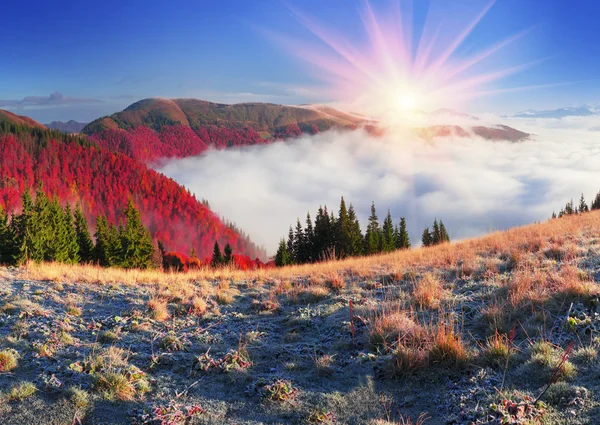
(98, 57)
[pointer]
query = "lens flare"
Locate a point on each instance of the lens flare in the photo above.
(391, 78)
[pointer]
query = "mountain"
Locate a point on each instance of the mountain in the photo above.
(496, 133)
(579, 111)
(70, 126)
(77, 170)
(10, 118)
(265, 118)
(152, 129)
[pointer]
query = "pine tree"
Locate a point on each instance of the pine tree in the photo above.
(136, 248)
(21, 226)
(309, 241)
(402, 240)
(436, 237)
(583, 207)
(299, 243)
(596, 203)
(228, 257)
(343, 232)
(282, 258)
(444, 237)
(356, 239)
(9, 252)
(84, 240)
(373, 233)
(102, 254)
(71, 240)
(426, 239)
(388, 241)
(217, 257)
(291, 243)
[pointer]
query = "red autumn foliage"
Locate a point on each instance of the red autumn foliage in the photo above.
(177, 141)
(175, 261)
(102, 181)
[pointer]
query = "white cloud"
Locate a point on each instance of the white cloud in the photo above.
(474, 185)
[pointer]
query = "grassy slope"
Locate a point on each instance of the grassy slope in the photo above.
(446, 309)
(18, 119)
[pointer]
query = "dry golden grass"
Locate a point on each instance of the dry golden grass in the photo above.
(429, 291)
(158, 309)
(523, 249)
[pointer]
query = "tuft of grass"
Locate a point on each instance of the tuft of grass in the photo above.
(158, 309)
(448, 347)
(429, 292)
(124, 386)
(108, 337)
(79, 397)
(199, 306)
(21, 391)
(496, 350)
(324, 365)
(171, 342)
(73, 310)
(8, 360)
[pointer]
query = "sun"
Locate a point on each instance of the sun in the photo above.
(407, 101)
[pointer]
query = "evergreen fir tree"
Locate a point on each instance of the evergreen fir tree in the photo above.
(21, 227)
(343, 232)
(596, 203)
(426, 239)
(136, 248)
(402, 240)
(373, 233)
(356, 239)
(436, 237)
(228, 255)
(299, 244)
(583, 207)
(71, 240)
(553, 215)
(217, 257)
(101, 249)
(9, 252)
(291, 242)
(84, 240)
(388, 241)
(309, 242)
(444, 237)
(282, 258)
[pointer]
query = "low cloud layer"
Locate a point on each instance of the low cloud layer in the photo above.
(55, 99)
(474, 185)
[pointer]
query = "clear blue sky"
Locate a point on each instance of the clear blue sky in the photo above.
(98, 57)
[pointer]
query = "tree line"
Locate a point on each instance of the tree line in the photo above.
(336, 237)
(45, 231)
(571, 209)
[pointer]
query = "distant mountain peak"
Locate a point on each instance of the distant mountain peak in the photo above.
(70, 126)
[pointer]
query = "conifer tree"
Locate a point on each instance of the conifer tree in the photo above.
(426, 239)
(84, 240)
(343, 232)
(373, 233)
(217, 257)
(299, 243)
(309, 241)
(9, 252)
(282, 258)
(291, 243)
(228, 255)
(356, 239)
(102, 254)
(436, 236)
(583, 207)
(388, 241)
(402, 240)
(71, 247)
(21, 226)
(136, 248)
(596, 203)
(444, 237)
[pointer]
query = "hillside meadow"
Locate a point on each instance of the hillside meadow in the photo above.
(494, 330)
